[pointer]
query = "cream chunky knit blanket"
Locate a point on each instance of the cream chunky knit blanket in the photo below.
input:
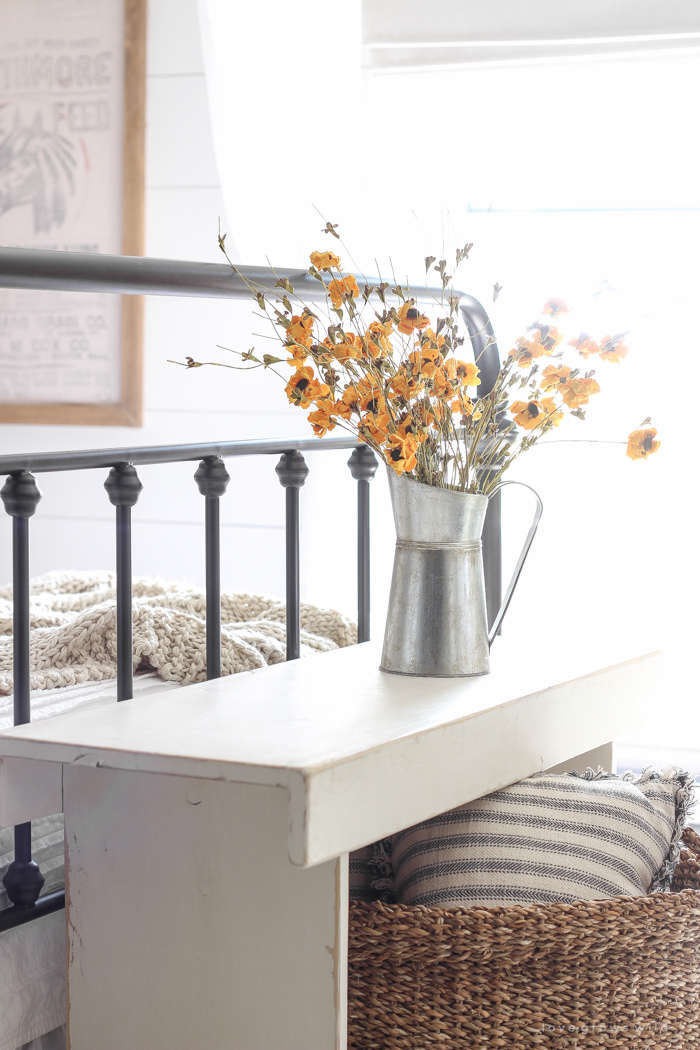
(74, 634)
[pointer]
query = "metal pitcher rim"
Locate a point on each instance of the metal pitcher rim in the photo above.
(433, 488)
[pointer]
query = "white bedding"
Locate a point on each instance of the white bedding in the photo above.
(33, 981)
(33, 956)
(45, 703)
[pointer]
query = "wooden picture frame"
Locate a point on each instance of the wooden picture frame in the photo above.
(128, 410)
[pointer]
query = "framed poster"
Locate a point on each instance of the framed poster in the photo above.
(72, 118)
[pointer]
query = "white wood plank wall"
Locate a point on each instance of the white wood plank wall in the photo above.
(73, 528)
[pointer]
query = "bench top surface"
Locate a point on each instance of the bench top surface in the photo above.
(360, 753)
(303, 715)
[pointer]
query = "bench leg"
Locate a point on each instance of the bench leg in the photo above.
(189, 927)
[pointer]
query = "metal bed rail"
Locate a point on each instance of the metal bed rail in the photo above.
(134, 275)
(26, 268)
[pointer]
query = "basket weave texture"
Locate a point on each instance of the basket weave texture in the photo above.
(621, 972)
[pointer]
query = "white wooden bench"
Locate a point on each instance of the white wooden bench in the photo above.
(207, 829)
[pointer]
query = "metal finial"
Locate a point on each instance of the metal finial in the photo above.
(23, 882)
(20, 494)
(292, 470)
(123, 485)
(363, 463)
(212, 477)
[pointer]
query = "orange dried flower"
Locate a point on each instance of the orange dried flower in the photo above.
(585, 345)
(425, 361)
(613, 348)
(348, 348)
(553, 414)
(299, 355)
(466, 371)
(301, 329)
(408, 426)
(463, 404)
(351, 398)
(343, 288)
(411, 319)
(550, 337)
(369, 386)
(381, 328)
(322, 419)
(528, 414)
(641, 443)
(376, 424)
(438, 412)
(372, 401)
(403, 385)
(554, 376)
(445, 385)
(324, 260)
(577, 392)
(303, 388)
(378, 339)
(362, 394)
(400, 452)
(342, 409)
(526, 350)
(428, 336)
(554, 307)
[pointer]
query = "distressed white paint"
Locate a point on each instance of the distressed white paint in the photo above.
(28, 790)
(362, 753)
(188, 925)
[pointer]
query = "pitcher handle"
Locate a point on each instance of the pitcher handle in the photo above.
(521, 560)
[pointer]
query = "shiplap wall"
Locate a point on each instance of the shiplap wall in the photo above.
(73, 528)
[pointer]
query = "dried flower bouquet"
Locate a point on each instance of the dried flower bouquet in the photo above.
(396, 381)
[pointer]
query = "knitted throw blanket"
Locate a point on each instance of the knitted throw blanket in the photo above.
(74, 634)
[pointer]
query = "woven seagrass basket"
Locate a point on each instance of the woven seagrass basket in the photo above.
(622, 972)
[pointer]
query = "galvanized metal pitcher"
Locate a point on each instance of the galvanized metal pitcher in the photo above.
(437, 626)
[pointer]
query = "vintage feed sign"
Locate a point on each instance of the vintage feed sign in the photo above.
(67, 70)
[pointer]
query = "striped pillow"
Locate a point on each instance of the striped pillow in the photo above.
(362, 874)
(553, 837)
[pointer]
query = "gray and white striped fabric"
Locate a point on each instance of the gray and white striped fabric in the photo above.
(362, 873)
(551, 838)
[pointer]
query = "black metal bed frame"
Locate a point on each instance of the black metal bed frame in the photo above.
(73, 271)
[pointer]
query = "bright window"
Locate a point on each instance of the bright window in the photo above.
(578, 180)
(573, 177)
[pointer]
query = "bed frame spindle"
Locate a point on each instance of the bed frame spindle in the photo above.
(20, 495)
(292, 472)
(124, 488)
(363, 466)
(212, 480)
